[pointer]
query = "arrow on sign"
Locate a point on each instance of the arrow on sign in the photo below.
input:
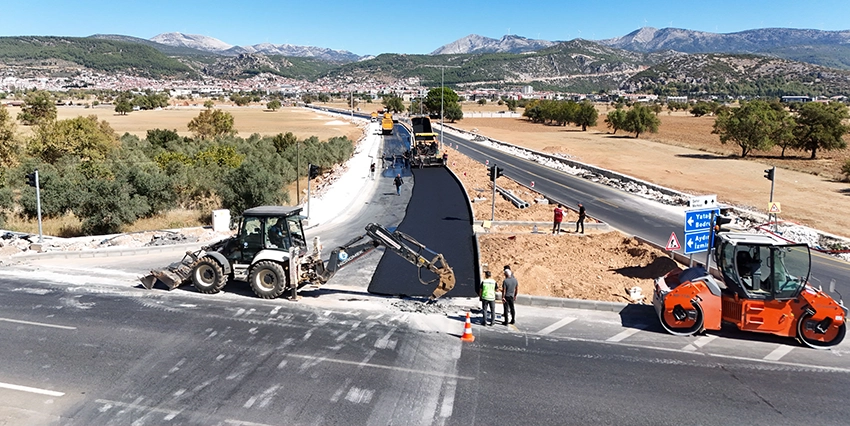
(690, 243)
(673, 242)
(691, 221)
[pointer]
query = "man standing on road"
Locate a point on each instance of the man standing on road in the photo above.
(372, 170)
(509, 292)
(559, 216)
(488, 299)
(582, 214)
(397, 182)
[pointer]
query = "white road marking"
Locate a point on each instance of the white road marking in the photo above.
(779, 352)
(626, 333)
(40, 324)
(170, 414)
(30, 390)
(317, 360)
(698, 343)
(244, 423)
(556, 326)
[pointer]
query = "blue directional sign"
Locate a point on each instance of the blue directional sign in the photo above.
(696, 242)
(699, 220)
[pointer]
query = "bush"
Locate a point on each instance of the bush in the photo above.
(846, 170)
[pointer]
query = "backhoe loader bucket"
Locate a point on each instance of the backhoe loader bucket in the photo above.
(173, 276)
(447, 282)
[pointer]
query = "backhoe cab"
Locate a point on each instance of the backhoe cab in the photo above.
(764, 289)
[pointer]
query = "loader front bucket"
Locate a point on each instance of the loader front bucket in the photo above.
(173, 276)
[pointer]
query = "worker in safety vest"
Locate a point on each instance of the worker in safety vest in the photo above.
(488, 299)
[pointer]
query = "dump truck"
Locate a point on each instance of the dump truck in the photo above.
(764, 288)
(424, 146)
(387, 124)
(269, 251)
(374, 117)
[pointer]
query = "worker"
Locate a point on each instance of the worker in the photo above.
(397, 182)
(277, 234)
(582, 214)
(488, 299)
(559, 217)
(372, 170)
(509, 292)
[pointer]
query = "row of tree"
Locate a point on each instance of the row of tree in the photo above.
(107, 181)
(561, 113)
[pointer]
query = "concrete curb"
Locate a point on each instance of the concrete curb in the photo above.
(107, 252)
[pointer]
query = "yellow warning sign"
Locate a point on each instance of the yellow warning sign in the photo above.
(774, 207)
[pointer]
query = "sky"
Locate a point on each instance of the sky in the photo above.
(420, 27)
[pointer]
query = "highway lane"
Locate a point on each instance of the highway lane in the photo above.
(629, 213)
(156, 358)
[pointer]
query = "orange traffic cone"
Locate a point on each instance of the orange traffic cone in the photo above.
(467, 331)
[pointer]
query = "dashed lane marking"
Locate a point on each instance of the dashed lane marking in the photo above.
(30, 390)
(556, 326)
(778, 353)
(626, 333)
(698, 343)
(39, 324)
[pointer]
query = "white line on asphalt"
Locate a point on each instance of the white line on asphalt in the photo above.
(779, 352)
(385, 367)
(556, 325)
(626, 333)
(40, 324)
(169, 414)
(698, 343)
(30, 390)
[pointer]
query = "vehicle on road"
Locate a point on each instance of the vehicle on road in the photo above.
(269, 251)
(424, 147)
(387, 124)
(764, 288)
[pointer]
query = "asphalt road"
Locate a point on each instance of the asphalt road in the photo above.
(629, 213)
(101, 354)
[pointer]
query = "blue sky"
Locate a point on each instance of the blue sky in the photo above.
(373, 27)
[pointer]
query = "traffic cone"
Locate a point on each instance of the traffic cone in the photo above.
(467, 331)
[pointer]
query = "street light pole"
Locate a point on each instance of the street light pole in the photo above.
(442, 94)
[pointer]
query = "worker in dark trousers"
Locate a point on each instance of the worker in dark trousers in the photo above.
(509, 292)
(397, 182)
(582, 214)
(488, 299)
(559, 216)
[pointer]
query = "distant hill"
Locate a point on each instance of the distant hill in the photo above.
(749, 75)
(97, 54)
(194, 41)
(475, 43)
(297, 51)
(828, 48)
(164, 48)
(248, 65)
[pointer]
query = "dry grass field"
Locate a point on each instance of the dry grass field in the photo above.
(247, 121)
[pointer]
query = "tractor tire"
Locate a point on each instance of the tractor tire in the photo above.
(208, 276)
(685, 327)
(268, 280)
(809, 336)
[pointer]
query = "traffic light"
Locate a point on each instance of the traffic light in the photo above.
(31, 179)
(719, 221)
(314, 171)
(769, 173)
(495, 172)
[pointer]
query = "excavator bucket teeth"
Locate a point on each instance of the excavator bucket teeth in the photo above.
(447, 283)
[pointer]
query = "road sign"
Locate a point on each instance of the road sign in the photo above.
(774, 207)
(696, 242)
(699, 220)
(673, 242)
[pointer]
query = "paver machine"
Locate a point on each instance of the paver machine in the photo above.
(764, 288)
(269, 251)
(424, 147)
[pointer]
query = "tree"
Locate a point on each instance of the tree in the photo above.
(240, 100)
(273, 105)
(211, 123)
(512, 104)
(819, 126)
(393, 103)
(109, 204)
(123, 106)
(282, 142)
(751, 127)
(845, 169)
(433, 100)
(616, 120)
(453, 112)
(8, 140)
(38, 108)
(700, 109)
(82, 137)
(483, 102)
(640, 119)
(586, 115)
(161, 137)
(209, 104)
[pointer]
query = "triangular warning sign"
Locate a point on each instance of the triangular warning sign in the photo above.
(774, 208)
(673, 243)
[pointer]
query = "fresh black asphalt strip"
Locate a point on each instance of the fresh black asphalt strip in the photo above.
(439, 217)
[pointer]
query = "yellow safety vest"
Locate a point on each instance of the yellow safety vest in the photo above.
(488, 289)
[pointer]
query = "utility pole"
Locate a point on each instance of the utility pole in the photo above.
(442, 93)
(297, 173)
(770, 174)
(32, 180)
